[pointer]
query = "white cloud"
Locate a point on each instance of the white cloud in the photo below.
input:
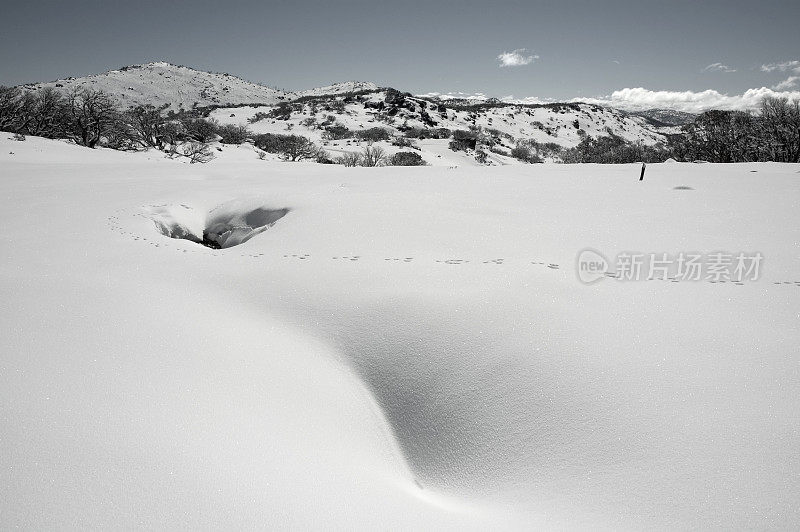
(633, 99)
(516, 57)
(718, 67)
(788, 83)
(793, 66)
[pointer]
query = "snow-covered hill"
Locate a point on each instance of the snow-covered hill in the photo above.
(503, 125)
(164, 83)
(186, 88)
(336, 88)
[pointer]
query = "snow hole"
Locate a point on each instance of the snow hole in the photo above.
(223, 227)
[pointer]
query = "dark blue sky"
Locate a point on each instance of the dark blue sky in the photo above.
(584, 48)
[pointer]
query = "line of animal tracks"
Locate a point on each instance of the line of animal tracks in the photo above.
(163, 242)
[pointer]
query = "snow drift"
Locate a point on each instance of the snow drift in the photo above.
(407, 348)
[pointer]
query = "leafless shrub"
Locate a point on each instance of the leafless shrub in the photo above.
(197, 152)
(349, 159)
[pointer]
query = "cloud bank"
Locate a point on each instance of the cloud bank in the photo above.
(634, 99)
(639, 98)
(515, 58)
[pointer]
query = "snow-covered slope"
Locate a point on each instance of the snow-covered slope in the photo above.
(504, 124)
(163, 83)
(667, 117)
(406, 348)
(337, 88)
(186, 88)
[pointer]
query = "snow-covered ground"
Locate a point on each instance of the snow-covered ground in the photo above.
(404, 348)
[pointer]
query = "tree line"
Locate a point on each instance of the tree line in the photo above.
(91, 118)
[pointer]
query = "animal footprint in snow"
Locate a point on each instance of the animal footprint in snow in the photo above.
(294, 256)
(494, 261)
(552, 266)
(453, 261)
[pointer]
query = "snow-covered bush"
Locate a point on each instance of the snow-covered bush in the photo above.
(288, 147)
(402, 142)
(406, 158)
(233, 134)
(373, 134)
(283, 111)
(200, 129)
(427, 133)
(463, 140)
(309, 122)
(524, 153)
(337, 132)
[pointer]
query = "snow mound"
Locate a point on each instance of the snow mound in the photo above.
(225, 226)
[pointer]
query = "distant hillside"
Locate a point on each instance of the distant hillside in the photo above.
(178, 86)
(335, 122)
(182, 87)
(337, 88)
(666, 117)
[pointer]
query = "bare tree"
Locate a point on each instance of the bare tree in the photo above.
(349, 159)
(14, 108)
(148, 125)
(373, 156)
(48, 114)
(92, 113)
(780, 119)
